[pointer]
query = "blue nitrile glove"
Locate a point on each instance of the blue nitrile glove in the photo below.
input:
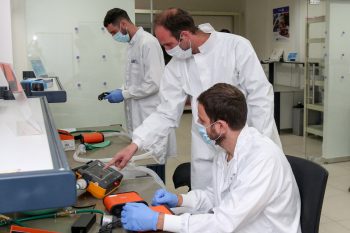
(164, 197)
(115, 96)
(139, 217)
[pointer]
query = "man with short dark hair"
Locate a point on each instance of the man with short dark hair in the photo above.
(144, 69)
(253, 189)
(202, 57)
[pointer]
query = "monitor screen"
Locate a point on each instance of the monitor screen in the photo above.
(98, 172)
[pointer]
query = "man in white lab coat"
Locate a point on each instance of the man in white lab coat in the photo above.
(253, 189)
(201, 58)
(144, 69)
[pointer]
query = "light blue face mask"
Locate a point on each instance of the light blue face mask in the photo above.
(119, 37)
(203, 132)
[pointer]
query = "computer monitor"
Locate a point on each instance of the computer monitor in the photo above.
(38, 68)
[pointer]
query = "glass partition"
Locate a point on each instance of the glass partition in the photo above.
(74, 45)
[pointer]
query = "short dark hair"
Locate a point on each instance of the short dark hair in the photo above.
(225, 30)
(114, 16)
(225, 102)
(175, 20)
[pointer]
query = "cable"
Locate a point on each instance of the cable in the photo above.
(82, 149)
(109, 226)
(130, 166)
(83, 207)
(43, 216)
(89, 211)
(5, 220)
(91, 131)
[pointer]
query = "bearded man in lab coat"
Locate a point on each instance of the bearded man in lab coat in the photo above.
(202, 57)
(144, 69)
(253, 189)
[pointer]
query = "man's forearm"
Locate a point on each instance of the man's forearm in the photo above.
(160, 223)
(180, 200)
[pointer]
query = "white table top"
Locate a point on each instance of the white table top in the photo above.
(21, 152)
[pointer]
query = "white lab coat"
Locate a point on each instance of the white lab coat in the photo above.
(144, 69)
(223, 58)
(254, 192)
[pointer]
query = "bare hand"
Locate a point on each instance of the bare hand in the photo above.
(122, 157)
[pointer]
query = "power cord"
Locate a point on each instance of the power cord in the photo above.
(109, 222)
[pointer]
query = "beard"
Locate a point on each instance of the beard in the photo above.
(217, 137)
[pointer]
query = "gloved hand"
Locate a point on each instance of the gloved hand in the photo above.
(139, 217)
(164, 197)
(115, 96)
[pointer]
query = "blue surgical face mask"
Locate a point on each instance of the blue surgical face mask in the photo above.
(203, 132)
(120, 37)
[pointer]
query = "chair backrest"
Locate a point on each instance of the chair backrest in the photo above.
(311, 179)
(182, 175)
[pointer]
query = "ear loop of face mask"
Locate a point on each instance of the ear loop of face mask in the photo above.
(203, 132)
(120, 37)
(219, 134)
(190, 44)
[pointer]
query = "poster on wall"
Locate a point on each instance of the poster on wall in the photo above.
(281, 23)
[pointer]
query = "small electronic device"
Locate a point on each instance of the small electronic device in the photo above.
(162, 209)
(38, 67)
(276, 55)
(292, 56)
(114, 203)
(101, 182)
(84, 223)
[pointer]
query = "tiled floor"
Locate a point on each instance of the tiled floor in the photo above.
(335, 216)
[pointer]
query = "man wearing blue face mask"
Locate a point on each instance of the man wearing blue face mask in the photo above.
(202, 57)
(144, 69)
(253, 187)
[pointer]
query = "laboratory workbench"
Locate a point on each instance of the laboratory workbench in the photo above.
(145, 186)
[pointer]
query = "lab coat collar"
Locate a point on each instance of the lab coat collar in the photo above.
(230, 169)
(211, 42)
(242, 142)
(241, 150)
(206, 27)
(136, 36)
(241, 145)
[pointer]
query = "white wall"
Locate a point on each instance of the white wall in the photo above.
(258, 28)
(232, 6)
(258, 17)
(5, 29)
(193, 5)
(336, 139)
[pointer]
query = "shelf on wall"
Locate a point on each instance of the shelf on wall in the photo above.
(315, 129)
(319, 83)
(318, 61)
(315, 107)
(318, 19)
(283, 88)
(316, 40)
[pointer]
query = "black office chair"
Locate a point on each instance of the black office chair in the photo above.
(182, 175)
(311, 179)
